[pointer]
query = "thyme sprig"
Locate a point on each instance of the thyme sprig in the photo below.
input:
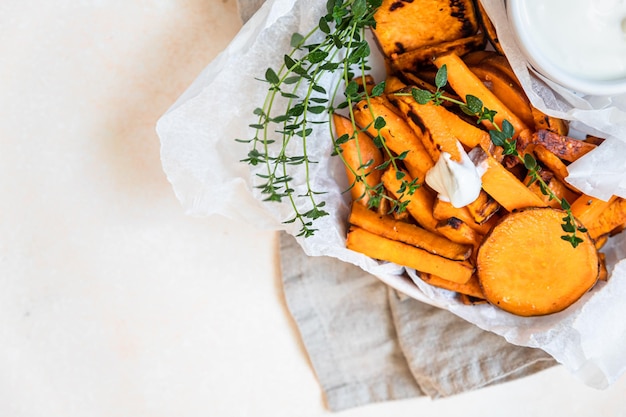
(296, 100)
(502, 136)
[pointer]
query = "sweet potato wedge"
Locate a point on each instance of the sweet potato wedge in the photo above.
(492, 59)
(397, 134)
(471, 287)
(552, 162)
(381, 248)
(564, 147)
(414, 60)
(420, 204)
(587, 208)
(483, 208)
(464, 82)
(488, 27)
(506, 90)
(443, 210)
(560, 190)
(525, 268)
(361, 158)
(503, 186)
(445, 128)
(550, 123)
(386, 226)
(405, 25)
(458, 231)
(612, 217)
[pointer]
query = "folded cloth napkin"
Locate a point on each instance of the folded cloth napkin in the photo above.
(368, 343)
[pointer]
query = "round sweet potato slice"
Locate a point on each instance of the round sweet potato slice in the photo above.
(525, 268)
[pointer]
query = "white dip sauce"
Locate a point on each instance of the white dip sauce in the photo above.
(456, 182)
(586, 38)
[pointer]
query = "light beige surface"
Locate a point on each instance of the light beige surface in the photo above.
(112, 302)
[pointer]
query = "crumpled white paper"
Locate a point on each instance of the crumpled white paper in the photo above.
(202, 161)
(596, 115)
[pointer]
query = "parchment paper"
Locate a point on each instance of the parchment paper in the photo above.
(202, 161)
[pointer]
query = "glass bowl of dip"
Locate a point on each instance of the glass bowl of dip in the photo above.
(579, 44)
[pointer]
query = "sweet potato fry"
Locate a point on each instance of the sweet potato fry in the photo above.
(443, 210)
(361, 158)
(445, 128)
(610, 218)
(552, 162)
(547, 277)
(560, 190)
(381, 248)
(468, 300)
(593, 140)
(483, 208)
(564, 147)
(393, 84)
(397, 134)
(550, 123)
(492, 59)
(586, 208)
(420, 204)
(388, 227)
(464, 83)
(510, 93)
(471, 287)
(601, 241)
(365, 83)
(503, 186)
(457, 231)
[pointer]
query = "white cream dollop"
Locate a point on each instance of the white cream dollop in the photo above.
(456, 182)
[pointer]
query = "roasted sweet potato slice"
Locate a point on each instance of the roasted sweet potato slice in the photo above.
(612, 217)
(465, 82)
(443, 210)
(420, 204)
(387, 226)
(471, 287)
(406, 25)
(488, 27)
(398, 135)
(560, 190)
(417, 59)
(503, 186)
(444, 127)
(587, 208)
(458, 231)
(565, 147)
(381, 248)
(525, 268)
(507, 90)
(361, 158)
(551, 123)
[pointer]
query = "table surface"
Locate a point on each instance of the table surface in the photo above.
(112, 300)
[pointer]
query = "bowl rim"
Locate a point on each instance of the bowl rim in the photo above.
(546, 67)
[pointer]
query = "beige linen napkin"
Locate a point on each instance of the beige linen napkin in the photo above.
(368, 343)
